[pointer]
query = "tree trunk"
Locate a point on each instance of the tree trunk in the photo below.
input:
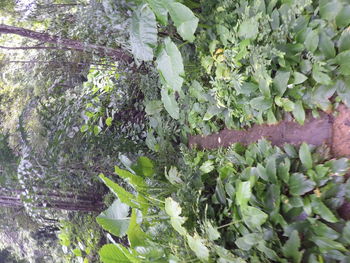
(117, 54)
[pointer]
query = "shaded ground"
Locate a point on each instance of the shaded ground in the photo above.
(331, 130)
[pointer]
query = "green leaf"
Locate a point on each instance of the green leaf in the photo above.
(326, 46)
(299, 78)
(311, 41)
(220, 191)
(343, 59)
(329, 9)
(305, 156)
(243, 193)
(346, 233)
(145, 166)
(111, 253)
(207, 166)
(170, 65)
(135, 234)
(173, 176)
(261, 103)
(248, 29)
(212, 232)
(338, 167)
(136, 181)
(197, 246)
(170, 103)
(185, 21)
(97, 130)
(299, 113)
(153, 107)
(143, 33)
(299, 185)
(281, 81)
(248, 241)
(291, 247)
(115, 219)
(160, 11)
(319, 76)
(287, 104)
(344, 41)
(253, 217)
(321, 229)
(174, 210)
(109, 121)
(325, 244)
(343, 91)
(343, 17)
(120, 192)
(322, 210)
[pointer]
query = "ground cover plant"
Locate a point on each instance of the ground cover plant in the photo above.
(90, 85)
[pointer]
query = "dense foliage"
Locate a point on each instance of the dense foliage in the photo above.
(125, 83)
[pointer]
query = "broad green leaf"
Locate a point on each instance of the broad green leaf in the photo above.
(220, 191)
(253, 217)
(271, 170)
(322, 210)
(329, 9)
(321, 229)
(291, 247)
(319, 76)
(145, 166)
(143, 33)
(325, 244)
(120, 192)
(109, 121)
(173, 176)
(343, 91)
(343, 17)
(135, 234)
(174, 210)
(299, 78)
(170, 103)
(170, 65)
(111, 253)
(248, 241)
(287, 104)
(207, 166)
(344, 41)
(197, 246)
(343, 59)
(305, 155)
(338, 166)
(299, 113)
(185, 21)
(115, 219)
(271, 254)
(212, 232)
(261, 103)
(248, 29)
(326, 46)
(211, 112)
(281, 81)
(346, 233)
(136, 181)
(243, 193)
(160, 11)
(311, 41)
(153, 107)
(299, 185)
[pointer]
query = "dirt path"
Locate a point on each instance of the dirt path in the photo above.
(334, 131)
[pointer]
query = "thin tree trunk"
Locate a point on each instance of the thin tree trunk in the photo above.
(117, 54)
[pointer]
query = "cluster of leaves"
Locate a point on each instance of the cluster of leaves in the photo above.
(245, 204)
(80, 237)
(262, 58)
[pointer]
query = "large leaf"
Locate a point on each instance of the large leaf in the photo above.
(136, 181)
(173, 209)
(311, 41)
(253, 217)
(197, 246)
(120, 192)
(325, 244)
(291, 247)
(170, 65)
(143, 33)
(185, 21)
(248, 241)
(322, 210)
(299, 185)
(243, 193)
(281, 81)
(305, 155)
(170, 103)
(160, 11)
(299, 112)
(111, 253)
(115, 219)
(326, 46)
(343, 60)
(135, 234)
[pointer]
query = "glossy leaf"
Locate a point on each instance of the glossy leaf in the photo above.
(322, 210)
(253, 217)
(299, 112)
(135, 234)
(305, 156)
(170, 103)
(281, 81)
(111, 253)
(299, 185)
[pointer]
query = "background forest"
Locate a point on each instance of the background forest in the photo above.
(98, 102)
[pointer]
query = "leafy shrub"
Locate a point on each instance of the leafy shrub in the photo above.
(245, 204)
